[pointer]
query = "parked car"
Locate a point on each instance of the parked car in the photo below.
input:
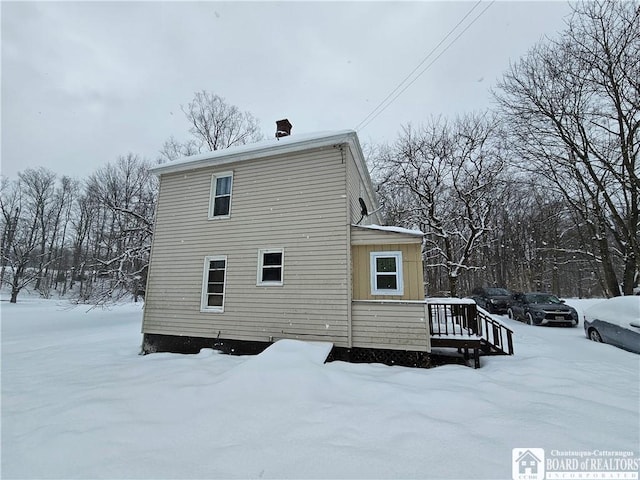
(615, 321)
(492, 299)
(536, 308)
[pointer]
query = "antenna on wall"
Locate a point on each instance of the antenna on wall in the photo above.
(363, 210)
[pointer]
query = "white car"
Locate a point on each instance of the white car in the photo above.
(615, 321)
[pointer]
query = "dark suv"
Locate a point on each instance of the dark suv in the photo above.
(537, 308)
(492, 299)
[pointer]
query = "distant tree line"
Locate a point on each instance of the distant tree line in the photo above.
(542, 193)
(91, 238)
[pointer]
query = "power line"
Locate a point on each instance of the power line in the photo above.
(380, 108)
(420, 64)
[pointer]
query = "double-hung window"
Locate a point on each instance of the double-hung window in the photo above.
(386, 273)
(220, 199)
(270, 267)
(213, 283)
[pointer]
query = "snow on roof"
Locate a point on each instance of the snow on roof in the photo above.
(450, 300)
(291, 143)
(392, 229)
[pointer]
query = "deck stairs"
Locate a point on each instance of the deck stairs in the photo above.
(468, 329)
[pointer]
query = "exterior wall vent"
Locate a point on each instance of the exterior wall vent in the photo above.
(283, 128)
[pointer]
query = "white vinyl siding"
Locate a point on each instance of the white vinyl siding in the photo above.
(295, 203)
(357, 179)
(270, 267)
(220, 196)
(394, 325)
(302, 202)
(213, 283)
(386, 273)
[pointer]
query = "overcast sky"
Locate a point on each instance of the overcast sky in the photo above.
(86, 82)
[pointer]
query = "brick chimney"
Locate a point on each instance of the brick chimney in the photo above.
(283, 128)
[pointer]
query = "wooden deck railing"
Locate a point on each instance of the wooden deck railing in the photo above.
(464, 320)
(497, 334)
(460, 319)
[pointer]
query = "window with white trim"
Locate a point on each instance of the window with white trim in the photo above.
(270, 267)
(386, 273)
(213, 283)
(220, 198)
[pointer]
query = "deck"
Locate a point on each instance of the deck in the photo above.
(460, 324)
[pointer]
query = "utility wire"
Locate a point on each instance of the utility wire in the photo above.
(380, 108)
(420, 64)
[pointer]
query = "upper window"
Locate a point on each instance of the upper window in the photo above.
(270, 267)
(386, 273)
(213, 283)
(220, 200)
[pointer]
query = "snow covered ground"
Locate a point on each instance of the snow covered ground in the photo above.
(79, 402)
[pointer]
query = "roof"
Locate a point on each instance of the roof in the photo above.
(450, 300)
(274, 146)
(527, 453)
(383, 228)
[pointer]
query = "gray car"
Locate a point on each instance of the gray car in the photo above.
(537, 308)
(492, 299)
(615, 321)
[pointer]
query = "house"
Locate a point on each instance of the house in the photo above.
(528, 463)
(281, 239)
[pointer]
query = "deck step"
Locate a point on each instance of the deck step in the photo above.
(465, 327)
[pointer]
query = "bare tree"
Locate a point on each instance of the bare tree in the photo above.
(25, 215)
(65, 196)
(448, 176)
(573, 107)
(214, 125)
(9, 205)
(38, 186)
(118, 221)
(536, 242)
(173, 149)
